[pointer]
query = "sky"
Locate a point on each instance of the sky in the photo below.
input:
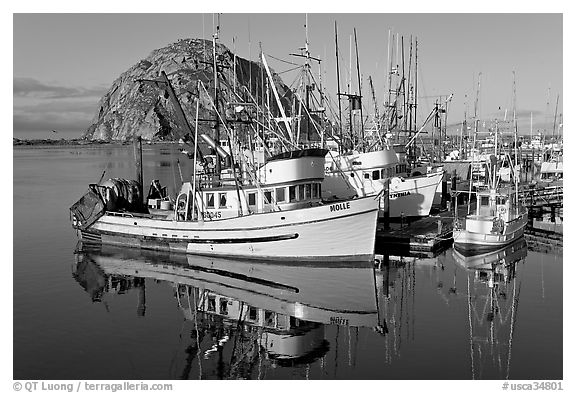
(64, 63)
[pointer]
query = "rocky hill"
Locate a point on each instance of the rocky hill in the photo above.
(134, 107)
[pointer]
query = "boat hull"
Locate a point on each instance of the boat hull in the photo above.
(342, 231)
(413, 196)
(474, 243)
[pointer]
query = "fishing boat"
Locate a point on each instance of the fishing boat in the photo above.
(371, 173)
(279, 216)
(242, 208)
(499, 219)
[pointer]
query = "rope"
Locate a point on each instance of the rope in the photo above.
(283, 61)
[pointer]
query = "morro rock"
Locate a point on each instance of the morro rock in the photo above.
(135, 106)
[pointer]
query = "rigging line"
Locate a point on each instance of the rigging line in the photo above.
(291, 69)
(283, 61)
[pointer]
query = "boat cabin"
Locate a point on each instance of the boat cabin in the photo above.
(495, 203)
(286, 182)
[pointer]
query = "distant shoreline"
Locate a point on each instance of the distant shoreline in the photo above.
(76, 142)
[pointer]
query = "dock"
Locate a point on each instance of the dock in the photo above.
(426, 236)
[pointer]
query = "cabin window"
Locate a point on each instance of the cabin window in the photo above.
(376, 175)
(301, 192)
(366, 176)
(210, 200)
(280, 195)
(269, 318)
(252, 199)
(292, 194)
(252, 313)
(267, 197)
(308, 191)
(212, 303)
(383, 173)
(315, 190)
(484, 201)
(223, 306)
(500, 200)
(222, 200)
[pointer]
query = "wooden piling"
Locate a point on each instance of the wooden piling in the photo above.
(138, 162)
(386, 197)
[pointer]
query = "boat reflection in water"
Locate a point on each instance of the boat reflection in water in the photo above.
(251, 313)
(493, 296)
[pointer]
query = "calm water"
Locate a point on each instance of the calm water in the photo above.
(125, 314)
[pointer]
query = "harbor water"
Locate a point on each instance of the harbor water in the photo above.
(84, 312)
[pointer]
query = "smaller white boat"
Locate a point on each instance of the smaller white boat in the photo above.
(499, 220)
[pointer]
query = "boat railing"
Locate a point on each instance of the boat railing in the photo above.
(128, 215)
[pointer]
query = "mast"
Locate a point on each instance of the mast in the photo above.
(515, 140)
(415, 90)
(555, 114)
(340, 145)
(307, 75)
(218, 166)
(474, 141)
(359, 93)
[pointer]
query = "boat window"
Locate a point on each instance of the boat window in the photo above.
(382, 173)
(376, 175)
(366, 176)
(268, 318)
(252, 313)
(292, 194)
(308, 191)
(484, 201)
(280, 195)
(500, 200)
(210, 200)
(301, 192)
(222, 200)
(211, 303)
(223, 306)
(267, 197)
(251, 199)
(315, 190)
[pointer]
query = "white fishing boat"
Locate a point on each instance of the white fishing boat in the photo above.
(279, 215)
(499, 220)
(365, 174)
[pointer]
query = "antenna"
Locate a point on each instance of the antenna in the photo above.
(359, 92)
(338, 86)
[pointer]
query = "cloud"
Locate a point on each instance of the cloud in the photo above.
(38, 106)
(29, 87)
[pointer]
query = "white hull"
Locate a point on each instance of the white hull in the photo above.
(484, 240)
(414, 196)
(337, 231)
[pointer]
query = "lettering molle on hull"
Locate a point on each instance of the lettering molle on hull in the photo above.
(339, 206)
